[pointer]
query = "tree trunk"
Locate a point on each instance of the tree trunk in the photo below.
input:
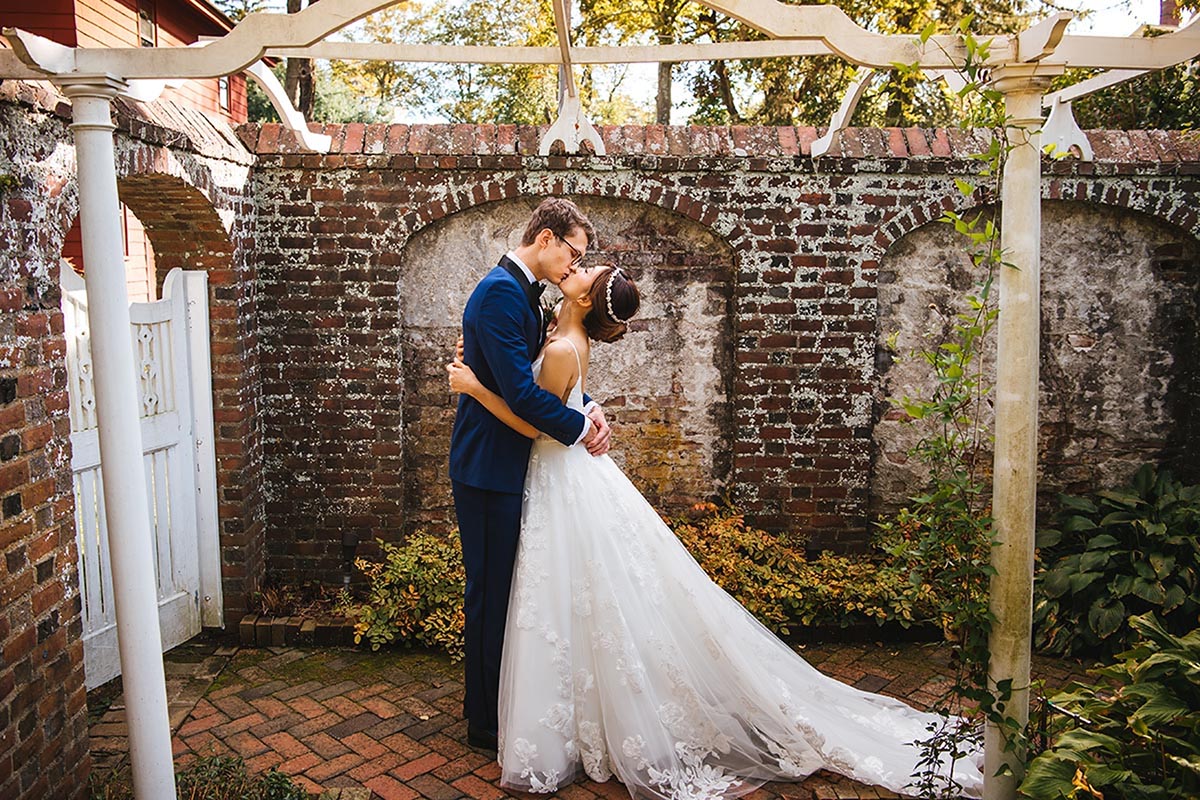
(662, 104)
(291, 82)
(1168, 12)
(727, 94)
(304, 103)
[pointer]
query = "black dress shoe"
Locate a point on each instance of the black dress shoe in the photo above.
(484, 740)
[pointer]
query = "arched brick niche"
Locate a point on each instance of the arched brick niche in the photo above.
(1120, 383)
(666, 386)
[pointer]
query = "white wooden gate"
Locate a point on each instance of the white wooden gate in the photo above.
(170, 341)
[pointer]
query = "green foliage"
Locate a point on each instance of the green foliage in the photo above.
(335, 100)
(806, 91)
(944, 537)
(207, 778)
(1166, 99)
(415, 595)
(1115, 554)
(782, 588)
(463, 93)
(950, 738)
(225, 778)
(1135, 735)
(237, 10)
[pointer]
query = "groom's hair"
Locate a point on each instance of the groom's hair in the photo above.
(561, 217)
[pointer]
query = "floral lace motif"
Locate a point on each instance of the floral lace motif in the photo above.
(622, 657)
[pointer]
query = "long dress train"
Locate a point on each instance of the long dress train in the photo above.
(621, 657)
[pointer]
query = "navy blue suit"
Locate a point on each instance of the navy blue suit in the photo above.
(502, 333)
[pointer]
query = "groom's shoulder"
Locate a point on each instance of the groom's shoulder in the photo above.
(494, 275)
(497, 281)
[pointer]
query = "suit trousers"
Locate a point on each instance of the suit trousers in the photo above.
(489, 524)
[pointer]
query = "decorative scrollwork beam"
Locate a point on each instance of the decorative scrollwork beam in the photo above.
(292, 119)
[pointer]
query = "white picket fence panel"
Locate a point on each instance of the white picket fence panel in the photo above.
(170, 342)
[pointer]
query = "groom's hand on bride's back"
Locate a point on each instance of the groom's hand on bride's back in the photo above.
(599, 437)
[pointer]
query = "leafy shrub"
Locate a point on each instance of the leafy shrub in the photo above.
(1117, 554)
(782, 588)
(1138, 730)
(750, 564)
(225, 778)
(943, 546)
(415, 595)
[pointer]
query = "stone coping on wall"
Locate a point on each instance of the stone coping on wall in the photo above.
(177, 126)
(161, 122)
(1132, 147)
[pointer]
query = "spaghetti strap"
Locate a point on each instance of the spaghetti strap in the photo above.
(578, 363)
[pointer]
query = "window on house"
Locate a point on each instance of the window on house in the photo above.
(223, 91)
(147, 33)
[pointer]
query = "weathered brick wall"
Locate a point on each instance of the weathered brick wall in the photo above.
(1118, 369)
(186, 179)
(356, 413)
(673, 368)
(43, 715)
(754, 371)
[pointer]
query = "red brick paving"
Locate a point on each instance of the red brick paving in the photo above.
(334, 721)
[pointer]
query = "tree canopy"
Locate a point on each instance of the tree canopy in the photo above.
(779, 91)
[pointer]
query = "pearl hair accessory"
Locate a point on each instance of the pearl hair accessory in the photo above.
(608, 296)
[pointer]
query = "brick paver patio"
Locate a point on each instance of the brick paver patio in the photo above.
(357, 725)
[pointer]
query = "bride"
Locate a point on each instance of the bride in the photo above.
(621, 658)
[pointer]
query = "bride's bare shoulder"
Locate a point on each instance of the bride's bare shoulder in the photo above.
(558, 348)
(560, 355)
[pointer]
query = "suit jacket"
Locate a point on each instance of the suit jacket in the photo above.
(502, 333)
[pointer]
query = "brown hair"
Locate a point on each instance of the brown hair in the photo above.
(561, 217)
(613, 292)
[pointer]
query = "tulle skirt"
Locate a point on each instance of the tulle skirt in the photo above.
(621, 658)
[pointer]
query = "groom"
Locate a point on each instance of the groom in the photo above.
(502, 334)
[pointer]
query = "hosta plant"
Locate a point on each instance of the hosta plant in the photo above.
(1114, 555)
(1135, 735)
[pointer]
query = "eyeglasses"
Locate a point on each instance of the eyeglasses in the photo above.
(578, 259)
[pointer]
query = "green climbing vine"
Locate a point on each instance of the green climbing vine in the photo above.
(945, 536)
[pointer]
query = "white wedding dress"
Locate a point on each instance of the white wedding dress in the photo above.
(622, 658)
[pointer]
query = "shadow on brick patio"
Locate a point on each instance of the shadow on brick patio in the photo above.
(356, 725)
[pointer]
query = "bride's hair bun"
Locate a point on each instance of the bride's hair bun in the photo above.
(615, 300)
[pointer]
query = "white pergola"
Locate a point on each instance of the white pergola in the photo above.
(1021, 67)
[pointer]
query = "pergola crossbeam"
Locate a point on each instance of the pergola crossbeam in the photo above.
(1040, 40)
(39, 53)
(494, 54)
(795, 31)
(292, 119)
(562, 28)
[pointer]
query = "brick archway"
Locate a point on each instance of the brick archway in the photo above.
(182, 225)
(186, 231)
(667, 385)
(554, 184)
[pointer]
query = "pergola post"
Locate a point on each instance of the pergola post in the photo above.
(126, 509)
(1015, 463)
